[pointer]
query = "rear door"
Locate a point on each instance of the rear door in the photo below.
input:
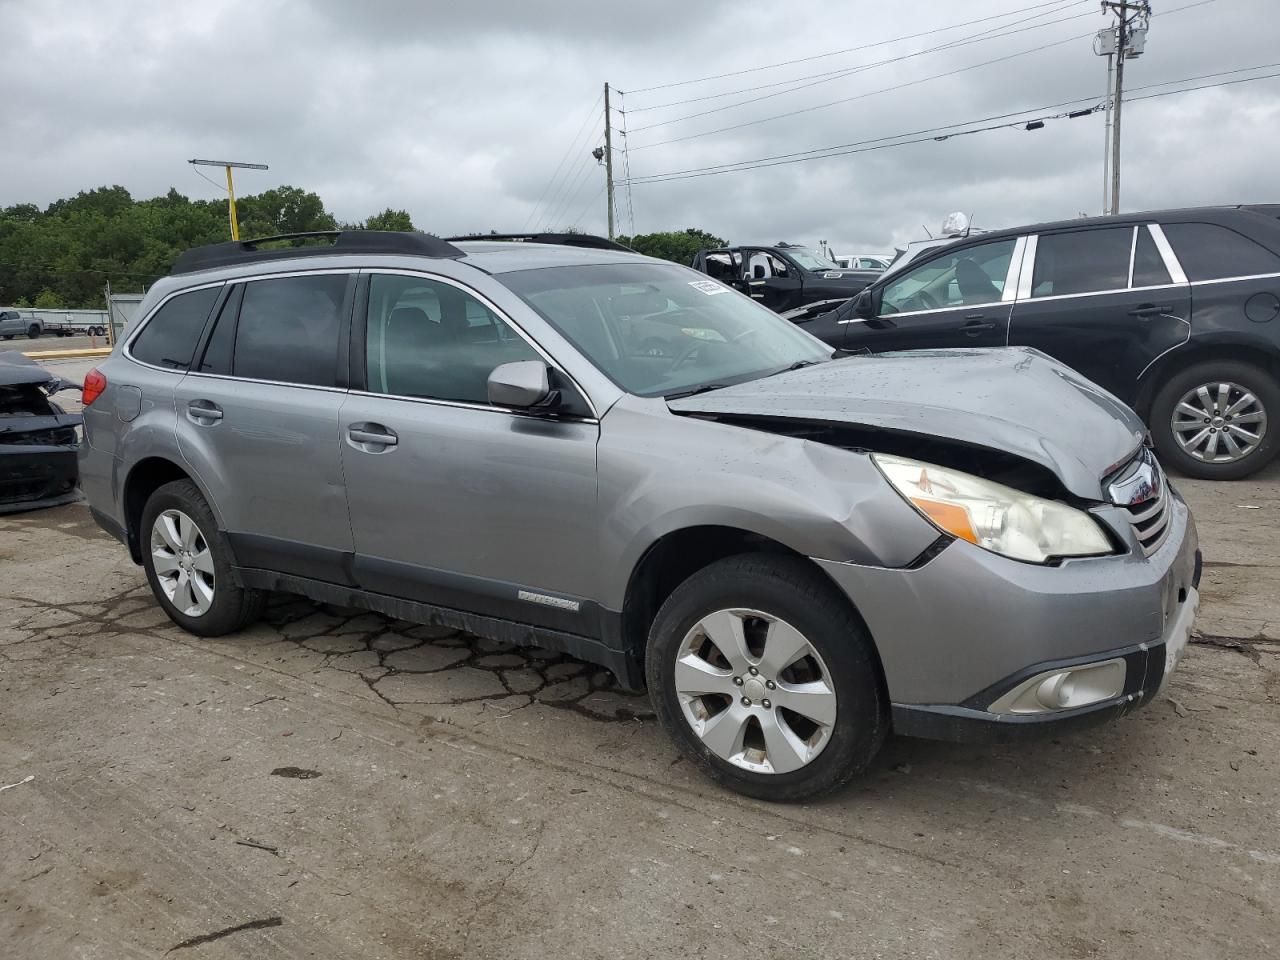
(961, 298)
(1103, 300)
(257, 419)
(456, 502)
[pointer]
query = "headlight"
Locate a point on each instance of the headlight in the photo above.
(993, 516)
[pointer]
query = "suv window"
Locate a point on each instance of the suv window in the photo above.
(426, 338)
(966, 278)
(217, 353)
(170, 337)
(1210, 252)
(1148, 266)
(1087, 261)
(288, 329)
(763, 265)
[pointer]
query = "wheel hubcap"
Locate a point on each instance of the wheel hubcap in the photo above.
(755, 691)
(1219, 422)
(183, 563)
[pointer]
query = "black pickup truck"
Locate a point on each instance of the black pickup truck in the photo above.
(783, 276)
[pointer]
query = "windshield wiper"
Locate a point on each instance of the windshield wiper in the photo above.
(705, 388)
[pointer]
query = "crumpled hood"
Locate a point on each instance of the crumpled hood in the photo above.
(1013, 399)
(17, 368)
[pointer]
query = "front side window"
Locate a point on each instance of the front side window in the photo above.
(170, 337)
(288, 329)
(426, 338)
(966, 278)
(660, 330)
(1209, 252)
(764, 265)
(1087, 261)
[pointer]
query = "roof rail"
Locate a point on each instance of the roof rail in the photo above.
(560, 239)
(236, 252)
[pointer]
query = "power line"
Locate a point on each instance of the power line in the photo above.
(572, 176)
(574, 191)
(585, 120)
(590, 203)
(829, 75)
(939, 133)
(836, 53)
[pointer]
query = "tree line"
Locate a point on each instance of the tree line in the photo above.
(65, 254)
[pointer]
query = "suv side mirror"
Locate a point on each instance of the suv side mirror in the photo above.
(525, 383)
(864, 304)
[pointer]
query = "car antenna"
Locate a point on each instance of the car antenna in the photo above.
(926, 230)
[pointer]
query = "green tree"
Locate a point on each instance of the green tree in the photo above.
(389, 219)
(678, 246)
(46, 299)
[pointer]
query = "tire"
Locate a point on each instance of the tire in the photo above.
(33, 331)
(9, 336)
(800, 602)
(1240, 379)
(231, 607)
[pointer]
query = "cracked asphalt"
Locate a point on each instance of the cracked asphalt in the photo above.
(332, 783)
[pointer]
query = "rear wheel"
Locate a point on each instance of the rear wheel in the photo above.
(1215, 420)
(33, 331)
(766, 679)
(188, 564)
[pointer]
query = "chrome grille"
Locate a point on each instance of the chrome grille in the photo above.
(1142, 490)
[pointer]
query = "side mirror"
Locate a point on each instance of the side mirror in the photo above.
(864, 304)
(525, 383)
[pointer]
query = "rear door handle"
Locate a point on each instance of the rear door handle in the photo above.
(371, 437)
(1149, 310)
(204, 412)
(975, 324)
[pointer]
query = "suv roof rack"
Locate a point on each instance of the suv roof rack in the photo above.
(560, 239)
(344, 241)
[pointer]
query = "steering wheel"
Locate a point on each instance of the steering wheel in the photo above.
(927, 300)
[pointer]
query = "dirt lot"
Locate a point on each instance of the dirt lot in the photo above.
(334, 784)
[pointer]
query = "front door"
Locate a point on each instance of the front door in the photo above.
(1103, 302)
(771, 280)
(257, 419)
(957, 299)
(456, 502)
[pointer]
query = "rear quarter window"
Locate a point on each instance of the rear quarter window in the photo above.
(1210, 252)
(170, 336)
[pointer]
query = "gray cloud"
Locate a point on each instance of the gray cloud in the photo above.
(460, 112)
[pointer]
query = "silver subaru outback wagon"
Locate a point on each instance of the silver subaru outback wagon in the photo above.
(573, 446)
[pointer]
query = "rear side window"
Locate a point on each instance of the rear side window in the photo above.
(1148, 266)
(288, 330)
(170, 337)
(1086, 262)
(1209, 252)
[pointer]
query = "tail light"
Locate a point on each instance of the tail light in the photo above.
(94, 384)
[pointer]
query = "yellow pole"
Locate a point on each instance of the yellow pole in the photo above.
(231, 207)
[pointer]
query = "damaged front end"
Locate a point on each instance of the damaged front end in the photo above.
(38, 439)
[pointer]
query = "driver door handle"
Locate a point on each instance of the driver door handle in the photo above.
(974, 325)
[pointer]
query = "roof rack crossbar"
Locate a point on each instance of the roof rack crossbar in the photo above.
(234, 252)
(560, 239)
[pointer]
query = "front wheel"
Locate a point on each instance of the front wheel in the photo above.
(766, 679)
(33, 331)
(1213, 420)
(188, 564)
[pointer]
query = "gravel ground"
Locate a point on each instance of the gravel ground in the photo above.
(335, 784)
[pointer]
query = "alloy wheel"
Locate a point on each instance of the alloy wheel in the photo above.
(182, 562)
(1219, 422)
(755, 691)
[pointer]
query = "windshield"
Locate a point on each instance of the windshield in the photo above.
(810, 260)
(658, 330)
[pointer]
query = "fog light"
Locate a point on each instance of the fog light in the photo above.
(1065, 688)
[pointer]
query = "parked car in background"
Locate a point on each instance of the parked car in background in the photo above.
(783, 276)
(13, 323)
(1175, 312)
(796, 553)
(864, 261)
(38, 441)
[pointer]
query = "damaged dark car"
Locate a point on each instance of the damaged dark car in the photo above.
(38, 439)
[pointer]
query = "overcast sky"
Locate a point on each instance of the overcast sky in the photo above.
(460, 112)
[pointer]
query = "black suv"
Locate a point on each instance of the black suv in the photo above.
(782, 277)
(1176, 312)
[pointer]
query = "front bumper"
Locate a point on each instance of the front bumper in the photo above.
(958, 633)
(37, 476)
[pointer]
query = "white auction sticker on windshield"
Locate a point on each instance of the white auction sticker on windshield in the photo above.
(709, 287)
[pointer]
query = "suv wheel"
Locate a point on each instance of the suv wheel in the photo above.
(766, 679)
(188, 564)
(1213, 420)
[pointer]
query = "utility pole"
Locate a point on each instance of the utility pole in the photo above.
(1105, 46)
(231, 193)
(608, 157)
(1130, 42)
